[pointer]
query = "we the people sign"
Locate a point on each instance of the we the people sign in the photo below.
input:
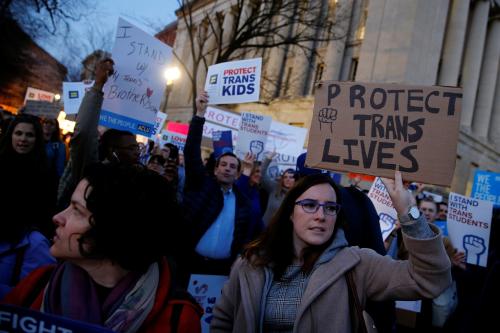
(376, 129)
(133, 94)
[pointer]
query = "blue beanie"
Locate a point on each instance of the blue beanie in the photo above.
(302, 170)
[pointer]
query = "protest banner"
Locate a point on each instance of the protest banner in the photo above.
(42, 109)
(33, 94)
(161, 117)
(73, 93)
(252, 135)
(206, 289)
(383, 205)
(486, 186)
(234, 82)
(132, 95)
(180, 128)
(469, 226)
(223, 142)
(176, 139)
(376, 129)
(15, 319)
(286, 139)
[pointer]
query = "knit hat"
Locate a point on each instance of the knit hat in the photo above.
(302, 170)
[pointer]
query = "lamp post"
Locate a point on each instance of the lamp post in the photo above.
(171, 74)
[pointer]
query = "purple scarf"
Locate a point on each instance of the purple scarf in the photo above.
(72, 293)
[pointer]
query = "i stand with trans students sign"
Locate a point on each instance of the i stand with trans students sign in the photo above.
(376, 129)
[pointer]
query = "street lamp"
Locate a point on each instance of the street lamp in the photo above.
(171, 74)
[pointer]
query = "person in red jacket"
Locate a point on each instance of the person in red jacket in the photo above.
(110, 247)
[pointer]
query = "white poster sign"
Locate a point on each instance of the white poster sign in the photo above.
(177, 139)
(206, 289)
(33, 94)
(73, 93)
(252, 136)
(383, 205)
(133, 94)
(286, 139)
(469, 225)
(161, 117)
(209, 128)
(234, 82)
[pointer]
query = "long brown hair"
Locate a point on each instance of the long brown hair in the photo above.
(274, 247)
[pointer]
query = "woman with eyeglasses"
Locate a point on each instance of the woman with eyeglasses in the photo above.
(294, 277)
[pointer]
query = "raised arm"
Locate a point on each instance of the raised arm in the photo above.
(195, 171)
(268, 182)
(84, 142)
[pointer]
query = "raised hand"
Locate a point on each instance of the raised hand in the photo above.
(201, 104)
(401, 198)
(247, 163)
(103, 70)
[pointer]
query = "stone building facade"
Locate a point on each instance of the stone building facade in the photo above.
(424, 42)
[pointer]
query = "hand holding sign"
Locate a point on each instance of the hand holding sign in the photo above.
(104, 69)
(400, 196)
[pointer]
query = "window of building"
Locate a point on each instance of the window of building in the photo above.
(318, 75)
(353, 69)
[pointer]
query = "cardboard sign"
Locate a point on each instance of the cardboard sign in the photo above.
(469, 225)
(33, 94)
(42, 109)
(379, 128)
(206, 289)
(73, 93)
(133, 94)
(14, 319)
(176, 139)
(252, 136)
(486, 186)
(383, 205)
(286, 139)
(223, 142)
(234, 82)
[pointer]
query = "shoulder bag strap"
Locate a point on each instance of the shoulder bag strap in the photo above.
(16, 272)
(354, 305)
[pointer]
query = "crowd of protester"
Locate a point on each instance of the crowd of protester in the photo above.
(111, 233)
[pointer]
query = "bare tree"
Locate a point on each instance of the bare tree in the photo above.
(250, 28)
(38, 17)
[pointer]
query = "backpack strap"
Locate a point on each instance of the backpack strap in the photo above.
(176, 317)
(16, 272)
(354, 305)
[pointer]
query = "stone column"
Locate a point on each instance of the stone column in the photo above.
(494, 132)
(487, 81)
(454, 43)
(472, 60)
(335, 49)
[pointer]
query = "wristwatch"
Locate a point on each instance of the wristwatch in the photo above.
(412, 215)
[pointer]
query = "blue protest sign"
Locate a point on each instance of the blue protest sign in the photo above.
(486, 186)
(223, 142)
(14, 319)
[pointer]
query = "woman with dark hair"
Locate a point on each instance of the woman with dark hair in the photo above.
(28, 195)
(300, 274)
(24, 202)
(112, 271)
(54, 147)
